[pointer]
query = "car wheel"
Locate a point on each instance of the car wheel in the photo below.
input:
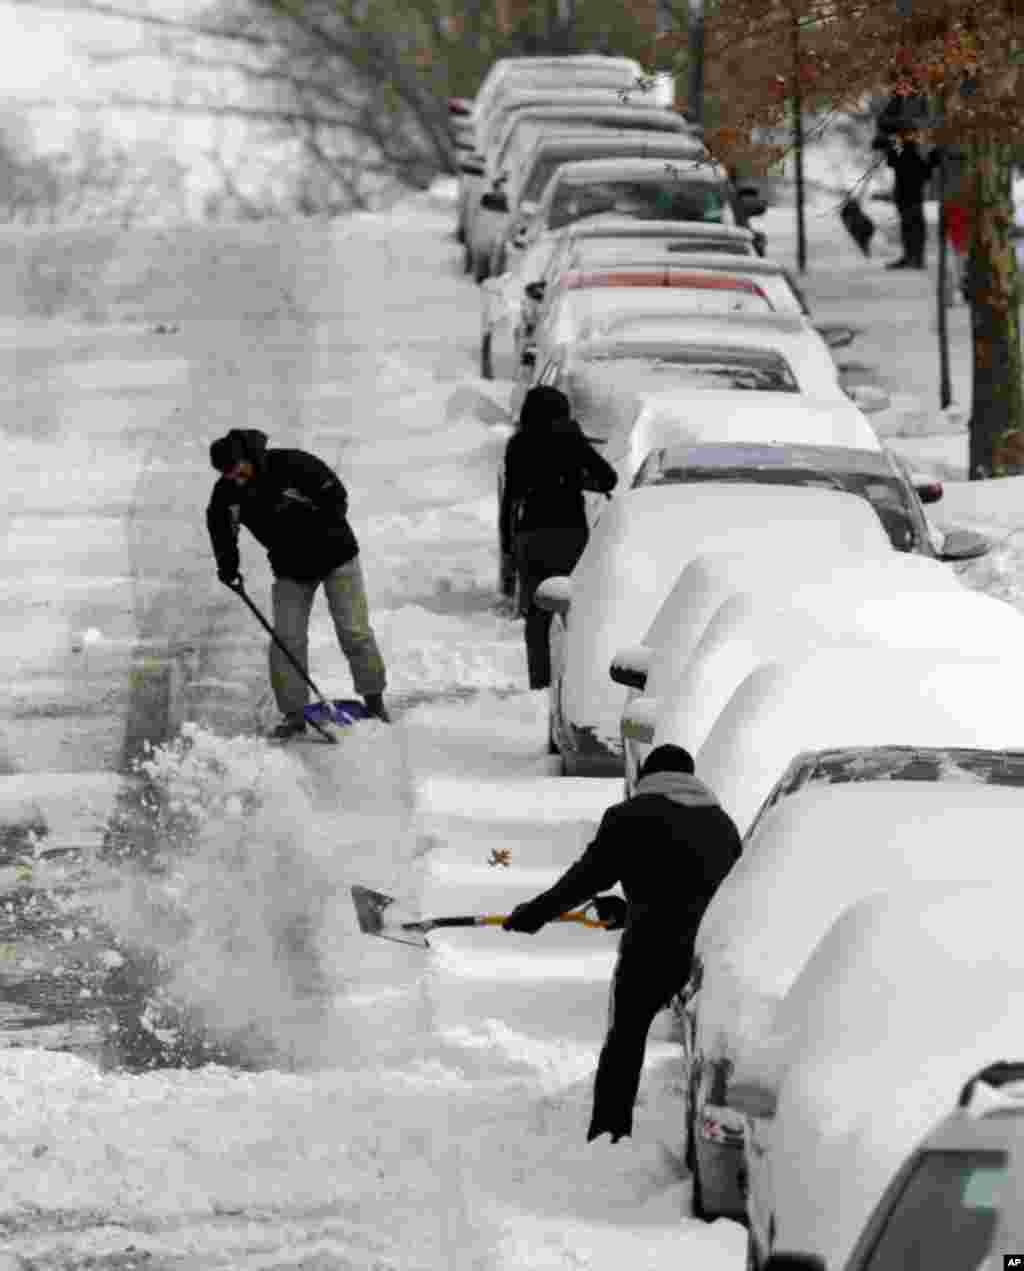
(486, 361)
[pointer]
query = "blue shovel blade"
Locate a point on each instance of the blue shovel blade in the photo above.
(336, 712)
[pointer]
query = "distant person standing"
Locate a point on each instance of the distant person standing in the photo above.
(297, 507)
(543, 522)
(912, 172)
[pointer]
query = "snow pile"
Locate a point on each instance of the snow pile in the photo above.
(246, 904)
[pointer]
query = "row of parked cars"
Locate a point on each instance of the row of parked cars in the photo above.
(766, 589)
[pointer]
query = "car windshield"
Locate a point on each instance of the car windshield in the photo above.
(945, 1216)
(549, 164)
(667, 198)
(887, 495)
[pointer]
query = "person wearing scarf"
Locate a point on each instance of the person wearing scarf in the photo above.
(670, 845)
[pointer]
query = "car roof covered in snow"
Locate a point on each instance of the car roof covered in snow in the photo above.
(847, 697)
(611, 226)
(645, 537)
(752, 628)
(585, 171)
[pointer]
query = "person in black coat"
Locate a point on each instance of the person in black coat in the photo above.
(670, 845)
(297, 507)
(912, 171)
(543, 523)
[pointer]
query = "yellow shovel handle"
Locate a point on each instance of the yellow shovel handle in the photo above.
(577, 915)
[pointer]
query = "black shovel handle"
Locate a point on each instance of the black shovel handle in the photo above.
(239, 589)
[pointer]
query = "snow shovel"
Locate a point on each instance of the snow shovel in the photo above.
(371, 907)
(340, 711)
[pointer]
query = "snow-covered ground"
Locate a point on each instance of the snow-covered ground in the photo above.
(433, 1110)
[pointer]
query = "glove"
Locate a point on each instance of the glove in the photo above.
(230, 578)
(523, 918)
(611, 910)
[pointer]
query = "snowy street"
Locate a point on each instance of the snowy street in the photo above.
(395, 1109)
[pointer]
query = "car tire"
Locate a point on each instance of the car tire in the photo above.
(481, 269)
(486, 359)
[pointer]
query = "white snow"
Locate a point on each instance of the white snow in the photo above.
(433, 1113)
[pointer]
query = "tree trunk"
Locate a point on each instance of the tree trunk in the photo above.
(997, 406)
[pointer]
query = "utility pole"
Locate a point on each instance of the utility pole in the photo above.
(695, 89)
(798, 145)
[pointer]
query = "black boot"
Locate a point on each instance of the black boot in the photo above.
(293, 725)
(375, 707)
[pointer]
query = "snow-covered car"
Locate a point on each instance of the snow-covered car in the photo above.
(634, 555)
(507, 208)
(504, 76)
(897, 494)
(692, 191)
(817, 851)
(796, 359)
(928, 1184)
(709, 397)
(477, 169)
(895, 605)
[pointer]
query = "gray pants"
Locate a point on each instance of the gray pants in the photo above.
(346, 600)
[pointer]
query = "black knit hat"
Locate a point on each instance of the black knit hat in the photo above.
(225, 452)
(542, 406)
(666, 759)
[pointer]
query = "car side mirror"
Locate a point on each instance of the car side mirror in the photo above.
(794, 1262)
(929, 489)
(751, 201)
(836, 337)
(640, 719)
(554, 594)
(964, 545)
(535, 291)
(471, 169)
(494, 200)
(528, 358)
(629, 667)
(753, 1100)
(870, 399)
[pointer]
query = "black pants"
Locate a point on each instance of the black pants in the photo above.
(651, 969)
(541, 554)
(912, 232)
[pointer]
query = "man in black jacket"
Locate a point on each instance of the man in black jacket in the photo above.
(912, 172)
(543, 522)
(296, 506)
(670, 846)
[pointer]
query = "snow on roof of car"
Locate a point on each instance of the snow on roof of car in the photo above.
(584, 171)
(847, 697)
(712, 577)
(628, 143)
(645, 537)
(622, 253)
(753, 627)
(619, 227)
(863, 1017)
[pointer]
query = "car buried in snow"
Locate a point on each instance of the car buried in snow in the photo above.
(930, 1185)
(872, 818)
(634, 555)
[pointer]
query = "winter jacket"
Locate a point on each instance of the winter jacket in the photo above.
(295, 506)
(911, 170)
(670, 846)
(546, 472)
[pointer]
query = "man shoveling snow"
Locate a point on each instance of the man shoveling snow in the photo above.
(670, 846)
(297, 507)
